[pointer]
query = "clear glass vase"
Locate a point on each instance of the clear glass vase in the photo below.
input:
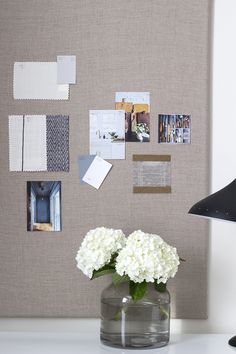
(129, 324)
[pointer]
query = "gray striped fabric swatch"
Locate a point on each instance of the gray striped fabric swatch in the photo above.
(57, 133)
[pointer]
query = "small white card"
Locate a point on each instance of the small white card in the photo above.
(66, 69)
(97, 172)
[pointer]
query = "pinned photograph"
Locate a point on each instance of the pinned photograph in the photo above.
(137, 115)
(174, 129)
(44, 206)
(107, 134)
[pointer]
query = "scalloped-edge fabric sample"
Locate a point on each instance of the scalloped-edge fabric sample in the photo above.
(38, 81)
(39, 143)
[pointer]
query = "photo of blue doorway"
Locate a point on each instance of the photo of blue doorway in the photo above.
(44, 206)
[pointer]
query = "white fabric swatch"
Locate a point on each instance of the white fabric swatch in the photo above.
(35, 145)
(97, 172)
(15, 142)
(66, 69)
(38, 80)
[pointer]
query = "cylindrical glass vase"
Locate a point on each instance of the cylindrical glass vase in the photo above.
(129, 324)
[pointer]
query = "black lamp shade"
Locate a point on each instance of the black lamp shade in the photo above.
(220, 205)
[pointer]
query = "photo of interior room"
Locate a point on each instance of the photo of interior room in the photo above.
(137, 115)
(44, 206)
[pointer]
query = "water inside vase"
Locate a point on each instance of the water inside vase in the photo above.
(134, 325)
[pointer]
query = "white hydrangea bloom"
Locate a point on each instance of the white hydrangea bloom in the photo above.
(147, 257)
(97, 249)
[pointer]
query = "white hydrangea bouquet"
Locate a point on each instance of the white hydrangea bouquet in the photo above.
(138, 259)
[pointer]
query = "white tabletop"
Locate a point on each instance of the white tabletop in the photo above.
(85, 343)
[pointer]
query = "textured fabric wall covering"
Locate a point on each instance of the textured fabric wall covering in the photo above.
(157, 46)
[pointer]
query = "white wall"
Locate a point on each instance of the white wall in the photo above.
(222, 290)
(222, 257)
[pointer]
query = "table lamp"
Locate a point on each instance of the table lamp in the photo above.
(220, 205)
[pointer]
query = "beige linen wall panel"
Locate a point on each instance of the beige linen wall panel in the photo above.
(160, 46)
